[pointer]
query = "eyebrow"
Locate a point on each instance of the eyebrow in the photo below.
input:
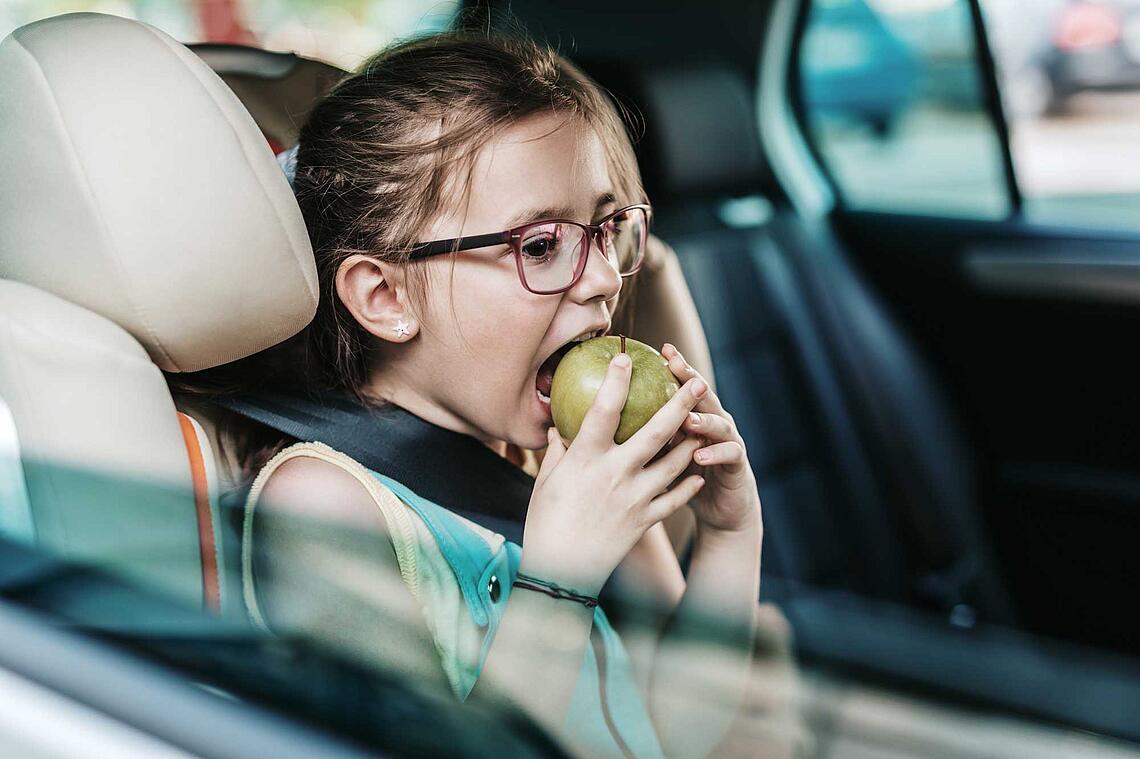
(562, 212)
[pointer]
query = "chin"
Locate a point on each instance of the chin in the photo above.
(532, 437)
(526, 430)
(537, 443)
(530, 433)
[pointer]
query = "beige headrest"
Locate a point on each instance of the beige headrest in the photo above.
(134, 183)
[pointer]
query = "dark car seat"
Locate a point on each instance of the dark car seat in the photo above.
(865, 480)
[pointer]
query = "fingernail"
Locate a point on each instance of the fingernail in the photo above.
(668, 348)
(700, 482)
(701, 457)
(699, 388)
(622, 360)
(694, 418)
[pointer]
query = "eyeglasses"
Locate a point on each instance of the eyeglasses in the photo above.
(551, 255)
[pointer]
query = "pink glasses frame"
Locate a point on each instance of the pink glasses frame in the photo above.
(514, 237)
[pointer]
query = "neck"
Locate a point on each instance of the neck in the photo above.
(406, 397)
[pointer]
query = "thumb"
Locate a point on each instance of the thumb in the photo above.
(555, 450)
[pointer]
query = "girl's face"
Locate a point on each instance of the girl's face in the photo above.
(474, 362)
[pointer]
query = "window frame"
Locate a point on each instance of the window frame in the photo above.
(991, 105)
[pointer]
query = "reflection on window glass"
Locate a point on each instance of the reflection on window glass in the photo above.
(893, 101)
(1069, 72)
(342, 32)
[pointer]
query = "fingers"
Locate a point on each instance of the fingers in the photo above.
(602, 419)
(670, 466)
(713, 427)
(647, 441)
(729, 454)
(683, 372)
(665, 504)
(554, 452)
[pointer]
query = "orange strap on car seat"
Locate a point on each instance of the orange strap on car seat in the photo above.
(211, 590)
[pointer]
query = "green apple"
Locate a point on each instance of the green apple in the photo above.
(579, 376)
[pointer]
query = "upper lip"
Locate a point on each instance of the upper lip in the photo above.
(596, 330)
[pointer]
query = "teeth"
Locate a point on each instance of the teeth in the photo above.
(583, 337)
(542, 396)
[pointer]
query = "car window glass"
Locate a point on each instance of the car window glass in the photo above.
(1069, 74)
(341, 32)
(892, 99)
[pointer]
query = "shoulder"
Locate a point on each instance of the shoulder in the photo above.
(313, 482)
(318, 557)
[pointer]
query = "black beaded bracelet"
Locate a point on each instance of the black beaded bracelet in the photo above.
(526, 582)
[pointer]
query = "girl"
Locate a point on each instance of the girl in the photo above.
(474, 207)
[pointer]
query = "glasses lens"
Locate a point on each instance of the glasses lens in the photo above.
(626, 234)
(550, 254)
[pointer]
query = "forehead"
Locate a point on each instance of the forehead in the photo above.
(551, 161)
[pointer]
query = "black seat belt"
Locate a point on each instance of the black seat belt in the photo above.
(453, 470)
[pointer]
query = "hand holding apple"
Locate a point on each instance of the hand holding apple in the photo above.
(730, 500)
(579, 376)
(595, 499)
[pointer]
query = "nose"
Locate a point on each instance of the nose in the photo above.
(600, 281)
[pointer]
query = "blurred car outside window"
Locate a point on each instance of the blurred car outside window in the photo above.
(1069, 73)
(341, 32)
(893, 102)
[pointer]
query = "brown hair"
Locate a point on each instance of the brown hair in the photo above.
(377, 159)
(383, 152)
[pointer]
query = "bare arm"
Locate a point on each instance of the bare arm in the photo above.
(335, 577)
(768, 722)
(536, 657)
(703, 663)
(326, 569)
(642, 595)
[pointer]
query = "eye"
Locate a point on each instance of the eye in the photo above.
(617, 225)
(538, 248)
(541, 244)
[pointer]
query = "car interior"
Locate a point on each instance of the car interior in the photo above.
(938, 411)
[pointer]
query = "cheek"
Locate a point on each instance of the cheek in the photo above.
(488, 317)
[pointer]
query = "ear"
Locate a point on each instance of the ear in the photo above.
(374, 293)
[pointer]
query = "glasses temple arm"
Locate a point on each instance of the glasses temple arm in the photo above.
(456, 244)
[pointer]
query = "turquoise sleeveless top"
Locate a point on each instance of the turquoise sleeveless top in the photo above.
(605, 700)
(461, 574)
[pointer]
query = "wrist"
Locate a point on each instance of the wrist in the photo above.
(554, 590)
(571, 579)
(750, 525)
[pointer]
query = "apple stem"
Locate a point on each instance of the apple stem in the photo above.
(622, 343)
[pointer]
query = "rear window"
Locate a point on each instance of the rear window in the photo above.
(342, 32)
(893, 102)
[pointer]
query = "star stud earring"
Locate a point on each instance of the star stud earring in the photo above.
(402, 329)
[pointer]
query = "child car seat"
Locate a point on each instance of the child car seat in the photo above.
(144, 227)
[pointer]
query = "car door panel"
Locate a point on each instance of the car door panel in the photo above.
(1030, 326)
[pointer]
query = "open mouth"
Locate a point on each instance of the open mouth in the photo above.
(545, 377)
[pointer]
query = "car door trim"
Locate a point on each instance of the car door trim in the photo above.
(781, 138)
(1065, 271)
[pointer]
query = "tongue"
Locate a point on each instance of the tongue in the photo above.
(544, 381)
(545, 378)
